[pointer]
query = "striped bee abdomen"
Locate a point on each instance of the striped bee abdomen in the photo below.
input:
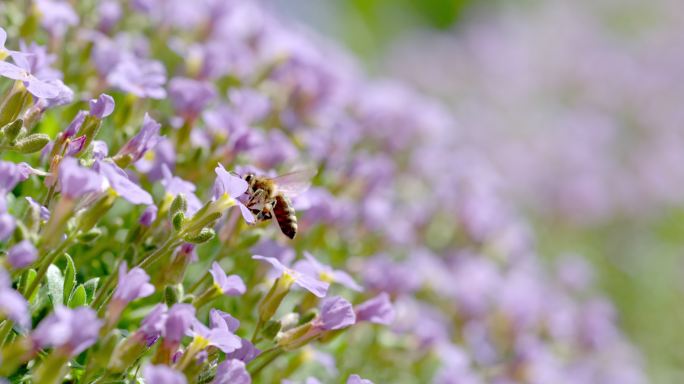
(285, 214)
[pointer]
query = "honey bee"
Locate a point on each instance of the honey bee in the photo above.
(270, 197)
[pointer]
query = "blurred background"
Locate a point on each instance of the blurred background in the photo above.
(580, 105)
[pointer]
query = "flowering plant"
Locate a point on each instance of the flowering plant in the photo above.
(135, 248)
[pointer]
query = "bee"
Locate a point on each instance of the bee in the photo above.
(269, 197)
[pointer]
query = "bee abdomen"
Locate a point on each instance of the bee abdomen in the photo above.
(285, 214)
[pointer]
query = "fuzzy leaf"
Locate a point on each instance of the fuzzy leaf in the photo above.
(90, 288)
(69, 276)
(55, 285)
(78, 298)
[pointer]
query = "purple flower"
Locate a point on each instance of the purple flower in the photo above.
(7, 225)
(22, 254)
(102, 107)
(41, 209)
(14, 306)
(56, 16)
(76, 145)
(308, 282)
(152, 325)
(356, 379)
(178, 321)
(148, 216)
(110, 13)
(133, 284)
(154, 161)
(100, 149)
(119, 182)
(336, 313)
(219, 318)
(69, 330)
(233, 186)
(312, 267)
(76, 181)
(377, 310)
(21, 72)
(219, 337)
(246, 353)
(141, 77)
(162, 374)
(228, 285)
(232, 372)
(74, 125)
(145, 140)
(189, 97)
(10, 176)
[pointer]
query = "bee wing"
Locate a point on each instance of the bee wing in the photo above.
(294, 183)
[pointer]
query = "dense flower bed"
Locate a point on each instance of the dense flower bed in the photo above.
(133, 248)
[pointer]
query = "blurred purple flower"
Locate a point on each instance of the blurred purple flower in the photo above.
(76, 181)
(162, 374)
(356, 379)
(22, 254)
(154, 161)
(100, 149)
(56, 16)
(7, 225)
(228, 285)
(312, 267)
(70, 331)
(308, 282)
(41, 209)
(110, 13)
(377, 310)
(14, 306)
(102, 107)
(10, 175)
(119, 182)
(189, 97)
(148, 216)
(141, 77)
(232, 372)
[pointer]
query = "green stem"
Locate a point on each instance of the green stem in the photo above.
(274, 353)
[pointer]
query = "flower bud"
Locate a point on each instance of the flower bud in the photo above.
(14, 104)
(11, 130)
(32, 143)
(271, 329)
(173, 294)
(203, 236)
(178, 220)
(179, 204)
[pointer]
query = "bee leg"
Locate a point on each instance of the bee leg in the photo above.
(256, 197)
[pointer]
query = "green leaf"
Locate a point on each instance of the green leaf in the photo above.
(90, 287)
(55, 285)
(69, 276)
(78, 299)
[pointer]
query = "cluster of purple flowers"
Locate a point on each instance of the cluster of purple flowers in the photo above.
(114, 264)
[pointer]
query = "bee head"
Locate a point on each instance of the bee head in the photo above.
(249, 178)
